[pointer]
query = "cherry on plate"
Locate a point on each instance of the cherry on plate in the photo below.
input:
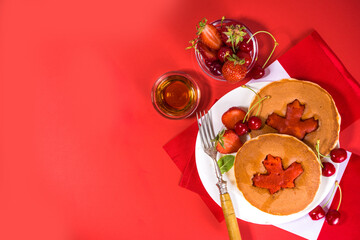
(332, 217)
(317, 213)
(241, 128)
(328, 169)
(338, 155)
(254, 123)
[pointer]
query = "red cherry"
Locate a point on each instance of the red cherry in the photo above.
(246, 57)
(215, 68)
(241, 128)
(332, 217)
(246, 47)
(338, 155)
(328, 169)
(317, 213)
(254, 123)
(208, 63)
(257, 72)
(224, 51)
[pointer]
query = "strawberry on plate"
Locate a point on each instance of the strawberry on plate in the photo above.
(209, 35)
(234, 70)
(227, 141)
(232, 116)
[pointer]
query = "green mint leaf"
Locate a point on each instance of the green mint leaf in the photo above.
(226, 163)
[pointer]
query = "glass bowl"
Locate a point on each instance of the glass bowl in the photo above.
(175, 95)
(253, 53)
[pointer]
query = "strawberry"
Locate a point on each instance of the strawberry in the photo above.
(227, 141)
(208, 54)
(234, 70)
(209, 35)
(232, 116)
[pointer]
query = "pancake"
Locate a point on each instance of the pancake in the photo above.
(249, 162)
(318, 103)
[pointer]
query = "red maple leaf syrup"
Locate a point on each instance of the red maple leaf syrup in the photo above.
(276, 176)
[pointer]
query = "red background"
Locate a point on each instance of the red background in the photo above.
(81, 145)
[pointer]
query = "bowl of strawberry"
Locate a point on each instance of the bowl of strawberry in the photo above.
(225, 49)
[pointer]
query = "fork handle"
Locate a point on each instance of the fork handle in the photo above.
(230, 218)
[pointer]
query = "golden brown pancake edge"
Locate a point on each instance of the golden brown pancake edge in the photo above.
(248, 161)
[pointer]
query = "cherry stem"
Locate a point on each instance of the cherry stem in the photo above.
(222, 20)
(332, 194)
(318, 145)
(338, 185)
(272, 51)
(244, 86)
(318, 153)
(246, 115)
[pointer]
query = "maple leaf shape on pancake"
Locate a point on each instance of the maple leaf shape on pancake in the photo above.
(292, 123)
(276, 177)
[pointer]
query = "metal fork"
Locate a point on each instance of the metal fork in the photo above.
(207, 135)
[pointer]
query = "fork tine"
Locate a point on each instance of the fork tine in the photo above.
(201, 129)
(211, 126)
(207, 129)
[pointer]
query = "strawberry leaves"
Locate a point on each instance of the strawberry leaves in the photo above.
(235, 34)
(235, 59)
(219, 139)
(201, 26)
(227, 141)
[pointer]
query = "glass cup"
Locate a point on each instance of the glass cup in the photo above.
(175, 95)
(253, 53)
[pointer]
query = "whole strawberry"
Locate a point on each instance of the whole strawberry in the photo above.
(232, 116)
(234, 70)
(227, 141)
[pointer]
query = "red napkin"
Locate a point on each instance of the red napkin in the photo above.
(311, 59)
(178, 150)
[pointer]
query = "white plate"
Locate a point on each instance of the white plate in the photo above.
(242, 97)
